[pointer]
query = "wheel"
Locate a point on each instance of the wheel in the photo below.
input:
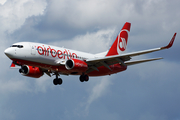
(86, 78)
(57, 81)
(20, 70)
(83, 78)
(60, 81)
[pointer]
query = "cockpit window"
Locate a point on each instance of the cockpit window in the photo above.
(19, 46)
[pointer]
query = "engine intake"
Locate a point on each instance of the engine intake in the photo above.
(76, 65)
(31, 71)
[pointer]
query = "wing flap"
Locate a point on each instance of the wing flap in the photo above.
(140, 61)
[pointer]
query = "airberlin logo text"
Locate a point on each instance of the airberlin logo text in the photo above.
(42, 50)
(122, 40)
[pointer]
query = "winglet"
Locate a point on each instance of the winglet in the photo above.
(170, 43)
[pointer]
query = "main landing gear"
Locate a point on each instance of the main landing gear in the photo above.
(57, 81)
(83, 78)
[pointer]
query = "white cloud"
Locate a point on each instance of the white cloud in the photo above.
(97, 91)
(43, 84)
(97, 88)
(94, 42)
(83, 14)
(12, 86)
(14, 13)
(2, 2)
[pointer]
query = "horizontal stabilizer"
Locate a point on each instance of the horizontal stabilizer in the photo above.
(140, 61)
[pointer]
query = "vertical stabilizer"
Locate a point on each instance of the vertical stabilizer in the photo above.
(119, 45)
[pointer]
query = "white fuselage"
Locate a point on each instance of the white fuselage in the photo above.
(43, 53)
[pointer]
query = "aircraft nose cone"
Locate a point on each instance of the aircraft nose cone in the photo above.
(8, 52)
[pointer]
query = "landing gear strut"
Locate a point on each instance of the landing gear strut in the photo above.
(83, 78)
(57, 80)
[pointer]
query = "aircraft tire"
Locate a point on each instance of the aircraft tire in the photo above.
(57, 81)
(83, 78)
(86, 78)
(60, 81)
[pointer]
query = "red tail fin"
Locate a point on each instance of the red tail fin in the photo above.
(120, 43)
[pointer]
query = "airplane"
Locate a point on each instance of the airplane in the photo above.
(35, 59)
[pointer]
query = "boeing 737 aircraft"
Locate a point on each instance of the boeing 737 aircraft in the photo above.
(35, 59)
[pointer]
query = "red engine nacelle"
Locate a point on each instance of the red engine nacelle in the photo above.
(76, 65)
(31, 71)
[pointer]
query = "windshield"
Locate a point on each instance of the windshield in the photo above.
(19, 46)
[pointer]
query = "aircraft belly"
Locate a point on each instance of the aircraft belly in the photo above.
(105, 71)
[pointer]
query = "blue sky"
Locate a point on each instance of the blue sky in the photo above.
(148, 91)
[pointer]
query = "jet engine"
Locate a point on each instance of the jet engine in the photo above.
(31, 71)
(76, 65)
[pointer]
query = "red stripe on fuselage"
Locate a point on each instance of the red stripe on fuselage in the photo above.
(61, 69)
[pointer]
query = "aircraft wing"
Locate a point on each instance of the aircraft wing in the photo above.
(140, 61)
(110, 60)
